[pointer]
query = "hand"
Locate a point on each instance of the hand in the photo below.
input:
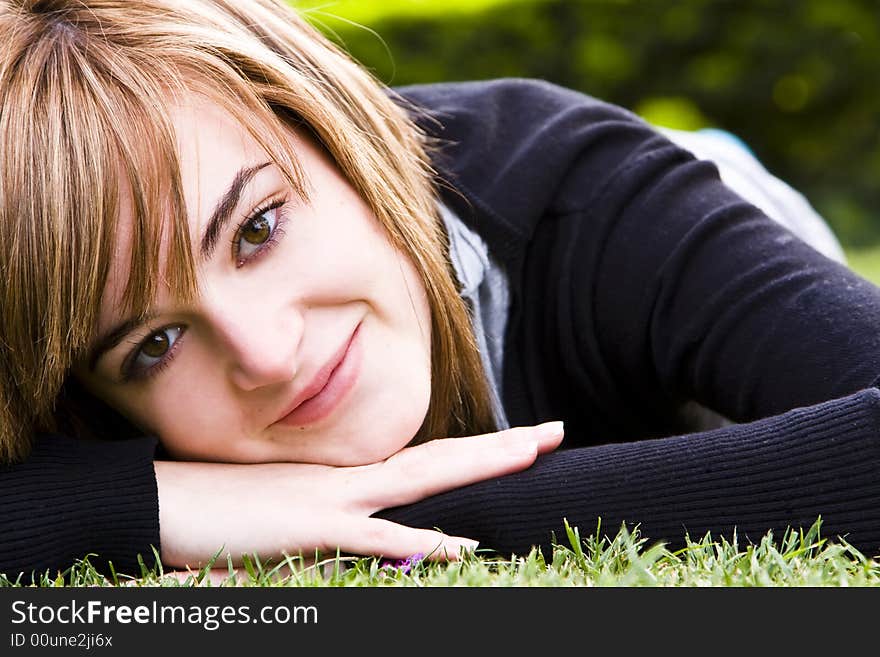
(274, 509)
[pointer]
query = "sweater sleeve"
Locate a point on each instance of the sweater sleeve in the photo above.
(737, 482)
(73, 498)
(691, 292)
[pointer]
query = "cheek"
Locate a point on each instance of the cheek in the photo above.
(200, 422)
(394, 398)
(187, 414)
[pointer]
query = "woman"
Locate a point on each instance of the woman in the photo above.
(227, 233)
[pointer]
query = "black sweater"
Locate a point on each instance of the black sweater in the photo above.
(638, 282)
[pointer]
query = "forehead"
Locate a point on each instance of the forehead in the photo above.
(212, 146)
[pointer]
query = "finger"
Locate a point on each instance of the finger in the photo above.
(440, 465)
(550, 435)
(374, 536)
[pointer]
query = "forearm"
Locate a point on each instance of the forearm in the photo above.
(715, 302)
(73, 498)
(644, 280)
(747, 479)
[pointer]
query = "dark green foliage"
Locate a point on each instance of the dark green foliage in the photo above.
(796, 79)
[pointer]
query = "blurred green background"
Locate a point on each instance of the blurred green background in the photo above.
(798, 80)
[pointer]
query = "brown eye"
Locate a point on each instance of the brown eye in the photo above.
(256, 231)
(156, 345)
(154, 350)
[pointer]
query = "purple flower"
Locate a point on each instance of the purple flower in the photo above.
(403, 565)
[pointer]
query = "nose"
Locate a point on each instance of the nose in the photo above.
(258, 339)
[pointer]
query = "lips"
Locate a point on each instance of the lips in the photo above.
(328, 387)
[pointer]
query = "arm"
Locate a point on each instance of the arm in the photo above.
(73, 497)
(742, 481)
(635, 270)
(649, 283)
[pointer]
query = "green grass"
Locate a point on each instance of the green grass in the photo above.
(795, 560)
(865, 262)
(367, 12)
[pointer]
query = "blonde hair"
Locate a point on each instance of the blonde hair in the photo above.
(84, 94)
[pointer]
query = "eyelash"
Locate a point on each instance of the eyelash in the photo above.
(129, 373)
(272, 204)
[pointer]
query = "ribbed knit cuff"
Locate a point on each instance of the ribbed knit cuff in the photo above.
(75, 498)
(772, 474)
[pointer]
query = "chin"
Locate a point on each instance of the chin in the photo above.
(380, 438)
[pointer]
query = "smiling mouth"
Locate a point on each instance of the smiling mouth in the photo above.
(329, 387)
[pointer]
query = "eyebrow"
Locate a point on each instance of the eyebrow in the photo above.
(223, 210)
(219, 218)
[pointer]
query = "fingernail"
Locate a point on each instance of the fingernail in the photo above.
(549, 429)
(467, 545)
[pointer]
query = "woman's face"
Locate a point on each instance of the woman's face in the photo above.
(310, 340)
